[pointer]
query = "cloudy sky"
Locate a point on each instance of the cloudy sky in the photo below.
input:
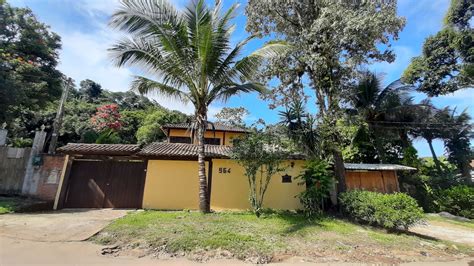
(82, 25)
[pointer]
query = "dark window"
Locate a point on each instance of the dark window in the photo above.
(286, 179)
(212, 141)
(180, 140)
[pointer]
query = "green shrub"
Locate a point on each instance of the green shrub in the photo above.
(457, 200)
(386, 210)
(318, 180)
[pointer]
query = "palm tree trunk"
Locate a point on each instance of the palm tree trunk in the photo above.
(435, 158)
(339, 171)
(204, 205)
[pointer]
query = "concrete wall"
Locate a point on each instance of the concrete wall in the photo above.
(229, 136)
(13, 163)
(174, 185)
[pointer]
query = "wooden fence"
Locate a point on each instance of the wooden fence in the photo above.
(13, 163)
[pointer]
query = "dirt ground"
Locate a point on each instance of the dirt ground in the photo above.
(446, 231)
(27, 252)
(64, 225)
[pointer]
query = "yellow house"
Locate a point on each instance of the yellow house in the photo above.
(172, 183)
(163, 175)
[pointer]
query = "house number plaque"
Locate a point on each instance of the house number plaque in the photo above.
(224, 170)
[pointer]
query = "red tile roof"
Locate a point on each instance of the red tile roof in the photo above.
(213, 126)
(99, 149)
(182, 150)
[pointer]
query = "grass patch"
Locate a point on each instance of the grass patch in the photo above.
(9, 204)
(18, 204)
(245, 235)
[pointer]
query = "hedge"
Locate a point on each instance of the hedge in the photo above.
(386, 210)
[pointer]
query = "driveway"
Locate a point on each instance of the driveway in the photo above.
(64, 225)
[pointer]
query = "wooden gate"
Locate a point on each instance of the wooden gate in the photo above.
(105, 184)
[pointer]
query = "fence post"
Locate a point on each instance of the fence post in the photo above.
(30, 182)
(3, 134)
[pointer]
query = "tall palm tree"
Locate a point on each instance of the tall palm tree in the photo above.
(189, 56)
(384, 109)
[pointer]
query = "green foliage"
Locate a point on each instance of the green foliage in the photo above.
(447, 60)
(150, 129)
(90, 89)
(457, 200)
(386, 210)
(28, 59)
(261, 154)
(108, 136)
(21, 142)
(318, 180)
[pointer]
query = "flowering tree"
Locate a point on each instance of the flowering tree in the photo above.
(107, 118)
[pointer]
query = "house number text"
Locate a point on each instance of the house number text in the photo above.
(224, 170)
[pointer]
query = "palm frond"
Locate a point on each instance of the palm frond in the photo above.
(145, 85)
(224, 93)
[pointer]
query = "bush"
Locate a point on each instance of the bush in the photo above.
(457, 200)
(318, 180)
(386, 210)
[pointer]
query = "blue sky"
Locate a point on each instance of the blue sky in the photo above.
(82, 25)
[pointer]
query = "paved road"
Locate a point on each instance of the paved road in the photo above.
(64, 225)
(446, 231)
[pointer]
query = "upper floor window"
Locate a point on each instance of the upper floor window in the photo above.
(180, 140)
(212, 141)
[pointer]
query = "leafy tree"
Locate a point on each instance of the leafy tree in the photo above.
(90, 89)
(261, 154)
(447, 60)
(28, 59)
(331, 39)
(150, 129)
(232, 116)
(190, 52)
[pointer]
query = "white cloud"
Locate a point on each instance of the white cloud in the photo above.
(395, 69)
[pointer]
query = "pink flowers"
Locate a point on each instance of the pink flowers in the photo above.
(107, 117)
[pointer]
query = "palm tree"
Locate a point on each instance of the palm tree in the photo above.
(189, 55)
(383, 109)
(427, 121)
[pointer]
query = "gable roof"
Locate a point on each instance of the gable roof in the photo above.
(213, 126)
(183, 150)
(99, 149)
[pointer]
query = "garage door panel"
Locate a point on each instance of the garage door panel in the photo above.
(125, 185)
(106, 184)
(86, 185)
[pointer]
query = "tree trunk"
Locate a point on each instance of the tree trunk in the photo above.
(339, 171)
(435, 158)
(204, 205)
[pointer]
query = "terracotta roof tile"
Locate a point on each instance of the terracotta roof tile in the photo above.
(182, 150)
(214, 126)
(99, 149)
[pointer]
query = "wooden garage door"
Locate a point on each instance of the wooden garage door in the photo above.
(106, 184)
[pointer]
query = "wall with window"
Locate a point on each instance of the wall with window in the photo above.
(214, 137)
(173, 184)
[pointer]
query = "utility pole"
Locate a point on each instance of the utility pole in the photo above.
(59, 117)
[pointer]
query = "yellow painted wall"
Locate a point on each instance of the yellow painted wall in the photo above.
(174, 185)
(171, 185)
(208, 134)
